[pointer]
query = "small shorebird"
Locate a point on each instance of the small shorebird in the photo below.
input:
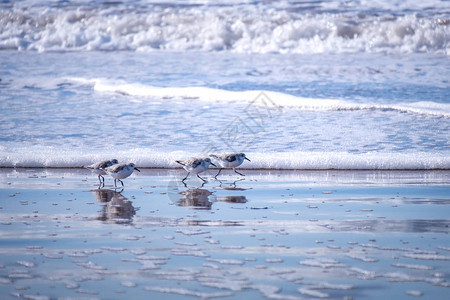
(232, 160)
(195, 166)
(121, 171)
(98, 168)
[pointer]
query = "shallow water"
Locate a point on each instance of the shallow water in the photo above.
(274, 234)
(344, 86)
(71, 109)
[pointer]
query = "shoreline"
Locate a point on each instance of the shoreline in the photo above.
(254, 169)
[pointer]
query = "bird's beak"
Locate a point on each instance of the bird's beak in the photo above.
(247, 158)
(214, 165)
(137, 169)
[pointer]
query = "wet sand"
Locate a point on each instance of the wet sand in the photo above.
(274, 235)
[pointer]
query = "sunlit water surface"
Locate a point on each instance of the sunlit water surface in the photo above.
(274, 234)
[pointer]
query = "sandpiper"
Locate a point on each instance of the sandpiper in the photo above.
(232, 160)
(195, 166)
(121, 171)
(99, 168)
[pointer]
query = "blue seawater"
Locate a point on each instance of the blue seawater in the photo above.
(293, 84)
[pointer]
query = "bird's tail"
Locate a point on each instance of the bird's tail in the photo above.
(213, 155)
(180, 162)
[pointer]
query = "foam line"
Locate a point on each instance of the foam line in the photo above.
(259, 97)
(49, 157)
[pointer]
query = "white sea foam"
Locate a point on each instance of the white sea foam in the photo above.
(331, 27)
(411, 266)
(268, 99)
(420, 256)
(313, 293)
(185, 292)
(50, 157)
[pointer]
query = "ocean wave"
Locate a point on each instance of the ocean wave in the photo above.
(242, 28)
(52, 157)
(269, 99)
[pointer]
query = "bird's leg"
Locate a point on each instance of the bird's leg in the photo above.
(100, 178)
(100, 184)
(201, 178)
(120, 181)
(115, 185)
(218, 173)
(185, 177)
(238, 172)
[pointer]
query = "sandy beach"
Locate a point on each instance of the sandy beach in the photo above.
(270, 234)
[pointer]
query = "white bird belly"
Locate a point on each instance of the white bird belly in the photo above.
(121, 174)
(227, 164)
(98, 171)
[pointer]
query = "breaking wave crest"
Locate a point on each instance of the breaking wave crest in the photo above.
(242, 28)
(258, 96)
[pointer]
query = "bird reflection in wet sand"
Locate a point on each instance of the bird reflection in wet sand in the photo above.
(103, 195)
(197, 198)
(117, 209)
(231, 199)
(231, 186)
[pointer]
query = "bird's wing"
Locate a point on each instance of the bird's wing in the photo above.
(96, 165)
(183, 163)
(105, 164)
(230, 158)
(115, 168)
(196, 163)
